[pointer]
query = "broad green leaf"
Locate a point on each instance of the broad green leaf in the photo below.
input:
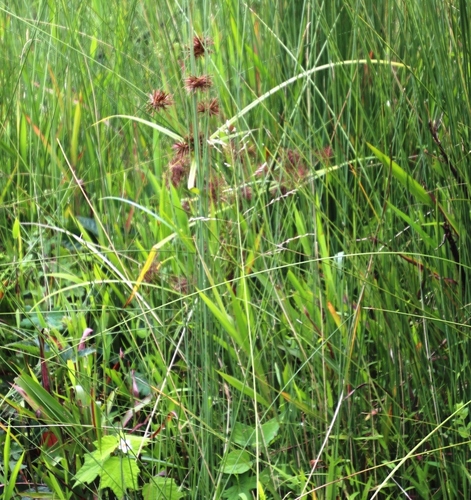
(299, 404)
(90, 469)
(132, 443)
(270, 430)
(241, 489)
(243, 434)
(90, 224)
(237, 462)
(162, 488)
(324, 252)
(105, 447)
(301, 230)
(306, 295)
(120, 474)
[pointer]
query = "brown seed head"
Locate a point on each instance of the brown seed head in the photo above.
(159, 100)
(195, 83)
(293, 159)
(211, 107)
(294, 164)
(182, 148)
(180, 284)
(247, 193)
(200, 46)
(151, 273)
(325, 153)
(216, 185)
(178, 169)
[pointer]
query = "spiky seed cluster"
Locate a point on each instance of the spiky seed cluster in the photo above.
(159, 100)
(293, 159)
(211, 107)
(294, 163)
(179, 284)
(181, 148)
(178, 171)
(200, 46)
(325, 153)
(151, 273)
(247, 193)
(198, 83)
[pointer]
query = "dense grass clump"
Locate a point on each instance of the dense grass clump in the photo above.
(234, 249)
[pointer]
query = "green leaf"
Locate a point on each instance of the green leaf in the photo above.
(8, 491)
(270, 430)
(244, 389)
(237, 462)
(89, 223)
(162, 488)
(155, 126)
(40, 320)
(242, 434)
(90, 469)
(16, 229)
(120, 474)
(226, 321)
(412, 185)
(403, 177)
(105, 447)
(40, 399)
(245, 435)
(131, 443)
(94, 461)
(416, 227)
(242, 489)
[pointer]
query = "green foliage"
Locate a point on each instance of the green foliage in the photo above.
(118, 472)
(234, 249)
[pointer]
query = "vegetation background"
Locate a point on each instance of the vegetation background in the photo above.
(235, 249)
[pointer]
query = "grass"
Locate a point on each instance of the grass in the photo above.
(252, 283)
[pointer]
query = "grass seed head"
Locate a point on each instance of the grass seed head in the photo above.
(200, 46)
(159, 100)
(182, 148)
(198, 83)
(211, 107)
(178, 171)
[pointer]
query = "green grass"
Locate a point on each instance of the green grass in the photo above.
(278, 293)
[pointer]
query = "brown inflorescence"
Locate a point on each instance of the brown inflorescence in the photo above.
(159, 100)
(198, 83)
(182, 148)
(294, 163)
(211, 107)
(215, 185)
(325, 154)
(178, 170)
(200, 46)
